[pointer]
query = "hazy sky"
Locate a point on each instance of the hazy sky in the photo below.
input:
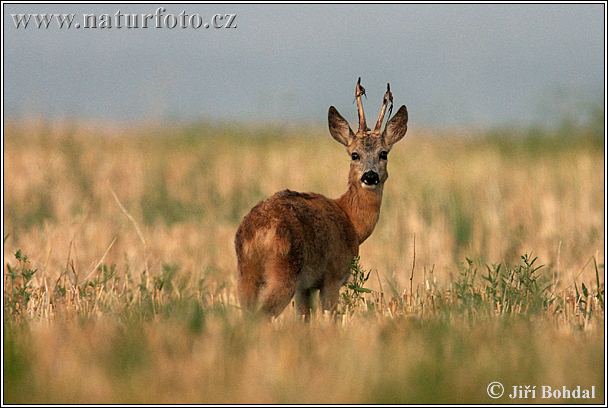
(450, 64)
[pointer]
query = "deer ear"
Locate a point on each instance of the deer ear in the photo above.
(339, 128)
(396, 127)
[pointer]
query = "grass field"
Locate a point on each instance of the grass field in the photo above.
(487, 264)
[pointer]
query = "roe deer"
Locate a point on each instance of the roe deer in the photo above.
(294, 243)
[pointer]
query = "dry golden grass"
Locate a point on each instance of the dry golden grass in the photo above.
(137, 304)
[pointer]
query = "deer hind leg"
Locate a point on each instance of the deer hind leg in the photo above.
(304, 302)
(280, 286)
(329, 297)
(249, 283)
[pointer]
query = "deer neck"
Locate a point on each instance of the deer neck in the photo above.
(362, 207)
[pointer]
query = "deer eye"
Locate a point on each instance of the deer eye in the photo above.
(383, 155)
(355, 156)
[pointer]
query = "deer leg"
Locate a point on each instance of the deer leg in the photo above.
(248, 285)
(276, 297)
(280, 287)
(329, 296)
(304, 302)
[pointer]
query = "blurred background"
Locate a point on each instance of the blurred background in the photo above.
(453, 65)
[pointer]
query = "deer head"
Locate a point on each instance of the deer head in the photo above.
(368, 148)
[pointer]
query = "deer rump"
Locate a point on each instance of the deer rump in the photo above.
(292, 242)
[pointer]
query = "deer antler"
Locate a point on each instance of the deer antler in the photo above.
(359, 91)
(388, 98)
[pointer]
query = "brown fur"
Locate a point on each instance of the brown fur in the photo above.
(293, 243)
(314, 242)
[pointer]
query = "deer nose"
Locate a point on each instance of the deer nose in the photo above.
(370, 178)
